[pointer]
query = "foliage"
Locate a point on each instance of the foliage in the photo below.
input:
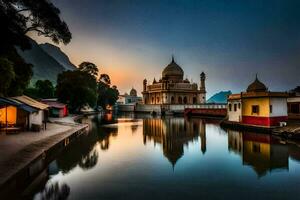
(106, 95)
(7, 71)
(89, 68)
(23, 73)
(296, 89)
(18, 17)
(43, 89)
(76, 88)
(23, 16)
(105, 78)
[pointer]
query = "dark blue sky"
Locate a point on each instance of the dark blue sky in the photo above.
(229, 40)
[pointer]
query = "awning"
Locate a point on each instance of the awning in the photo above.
(31, 102)
(54, 104)
(12, 102)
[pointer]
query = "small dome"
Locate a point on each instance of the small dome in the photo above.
(133, 92)
(257, 86)
(173, 71)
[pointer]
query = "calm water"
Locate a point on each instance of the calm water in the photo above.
(172, 158)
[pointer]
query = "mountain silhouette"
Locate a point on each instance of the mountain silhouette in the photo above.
(58, 55)
(46, 65)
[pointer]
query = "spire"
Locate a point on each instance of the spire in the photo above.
(256, 77)
(173, 58)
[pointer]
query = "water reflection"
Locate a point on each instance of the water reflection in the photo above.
(173, 134)
(263, 153)
(54, 191)
(117, 156)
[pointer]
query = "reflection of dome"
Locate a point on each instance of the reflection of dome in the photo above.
(173, 155)
(133, 92)
(257, 86)
(173, 71)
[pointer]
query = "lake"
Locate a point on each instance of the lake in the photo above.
(139, 157)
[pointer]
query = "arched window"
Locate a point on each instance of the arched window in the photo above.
(152, 100)
(157, 99)
(194, 100)
(185, 100)
(172, 100)
(179, 100)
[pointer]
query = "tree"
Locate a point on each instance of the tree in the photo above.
(296, 89)
(89, 68)
(17, 18)
(22, 16)
(112, 95)
(45, 89)
(76, 88)
(106, 95)
(23, 73)
(105, 79)
(7, 71)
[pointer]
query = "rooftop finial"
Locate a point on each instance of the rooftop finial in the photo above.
(256, 76)
(172, 58)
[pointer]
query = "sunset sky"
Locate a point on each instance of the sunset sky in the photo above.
(230, 41)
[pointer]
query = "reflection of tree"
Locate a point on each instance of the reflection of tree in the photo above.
(77, 151)
(82, 151)
(54, 191)
(89, 161)
(173, 134)
(106, 133)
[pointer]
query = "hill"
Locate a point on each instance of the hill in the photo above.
(58, 55)
(220, 97)
(45, 66)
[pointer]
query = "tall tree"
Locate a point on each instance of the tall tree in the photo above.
(105, 79)
(23, 73)
(19, 17)
(89, 68)
(106, 95)
(7, 71)
(22, 16)
(45, 89)
(76, 88)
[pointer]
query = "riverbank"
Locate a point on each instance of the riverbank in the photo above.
(23, 155)
(291, 130)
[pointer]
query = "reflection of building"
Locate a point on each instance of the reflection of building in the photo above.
(130, 98)
(173, 89)
(260, 151)
(173, 134)
(258, 106)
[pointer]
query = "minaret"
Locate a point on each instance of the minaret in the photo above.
(145, 85)
(202, 82)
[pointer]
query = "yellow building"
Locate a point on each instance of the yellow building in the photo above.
(258, 106)
(260, 151)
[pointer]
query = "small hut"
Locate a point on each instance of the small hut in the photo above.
(39, 118)
(14, 115)
(56, 109)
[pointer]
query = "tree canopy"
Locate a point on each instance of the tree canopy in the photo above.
(89, 68)
(76, 88)
(106, 95)
(6, 70)
(18, 17)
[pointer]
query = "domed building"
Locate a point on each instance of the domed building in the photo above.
(130, 98)
(258, 106)
(172, 88)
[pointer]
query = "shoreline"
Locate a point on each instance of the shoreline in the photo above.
(27, 163)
